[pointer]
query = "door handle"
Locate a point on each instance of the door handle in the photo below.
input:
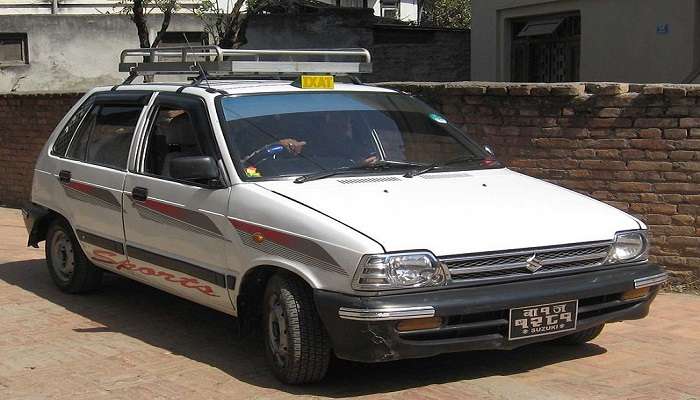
(64, 176)
(139, 193)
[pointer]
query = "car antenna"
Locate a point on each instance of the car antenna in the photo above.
(202, 74)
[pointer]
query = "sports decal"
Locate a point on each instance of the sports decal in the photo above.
(286, 245)
(107, 257)
(183, 218)
(92, 194)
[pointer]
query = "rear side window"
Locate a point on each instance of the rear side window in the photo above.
(64, 138)
(111, 136)
(77, 149)
(104, 136)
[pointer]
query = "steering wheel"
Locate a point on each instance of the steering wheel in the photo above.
(270, 151)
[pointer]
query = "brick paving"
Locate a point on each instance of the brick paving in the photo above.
(129, 341)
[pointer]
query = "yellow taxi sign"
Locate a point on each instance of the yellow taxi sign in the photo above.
(317, 82)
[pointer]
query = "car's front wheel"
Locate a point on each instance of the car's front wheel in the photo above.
(70, 269)
(296, 343)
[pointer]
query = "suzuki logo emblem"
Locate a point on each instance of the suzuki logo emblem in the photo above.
(533, 264)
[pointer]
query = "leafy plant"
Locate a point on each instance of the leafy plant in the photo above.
(447, 13)
(226, 26)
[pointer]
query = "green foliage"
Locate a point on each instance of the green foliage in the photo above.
(447, 13)
(226, 26)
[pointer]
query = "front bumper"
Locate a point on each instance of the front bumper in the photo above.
(476, 318)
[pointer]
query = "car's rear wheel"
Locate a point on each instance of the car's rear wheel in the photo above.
(70, 269)
(582, 337)
(296, 343)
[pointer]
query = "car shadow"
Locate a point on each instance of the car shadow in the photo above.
(198, 333)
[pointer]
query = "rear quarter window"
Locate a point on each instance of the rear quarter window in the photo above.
(60, 146)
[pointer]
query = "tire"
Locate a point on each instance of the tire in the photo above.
(68, 266)
(582, 337)
(296, 343)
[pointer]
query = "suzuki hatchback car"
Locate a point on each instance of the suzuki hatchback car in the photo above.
(344, 219)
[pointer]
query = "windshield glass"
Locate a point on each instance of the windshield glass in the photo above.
(273, 135)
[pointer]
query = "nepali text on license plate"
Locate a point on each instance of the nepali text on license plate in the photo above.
(544, 319)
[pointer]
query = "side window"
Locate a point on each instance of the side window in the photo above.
(77, 149)
(63, 140)
(172, 135)
(111, 136)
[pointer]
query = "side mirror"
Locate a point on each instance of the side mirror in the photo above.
(194, 168)
(488, 150)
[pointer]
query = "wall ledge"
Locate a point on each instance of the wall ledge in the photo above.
(572, 89)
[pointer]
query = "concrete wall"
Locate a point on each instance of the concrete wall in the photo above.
(636, 147)
(619, 41)
(78, 52)
(74, 52)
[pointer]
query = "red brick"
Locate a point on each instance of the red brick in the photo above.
(650, 133)
(650, 166)
(631, 186)
(658, 123)
(690, 122)
(651, 144)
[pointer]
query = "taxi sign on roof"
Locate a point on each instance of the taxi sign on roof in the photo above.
(317, 82)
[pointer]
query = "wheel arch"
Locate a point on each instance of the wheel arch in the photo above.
(37, 219)
(251, 290)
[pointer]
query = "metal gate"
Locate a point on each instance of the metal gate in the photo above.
(546, 49)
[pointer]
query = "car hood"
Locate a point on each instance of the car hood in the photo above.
(453, 213)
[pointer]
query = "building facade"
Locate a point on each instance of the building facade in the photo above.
(75, 46)
(586, 40)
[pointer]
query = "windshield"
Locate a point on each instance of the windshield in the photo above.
(275, 135)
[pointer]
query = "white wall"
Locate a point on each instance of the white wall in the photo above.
(13, 7)
(74, 53)
(619, 41)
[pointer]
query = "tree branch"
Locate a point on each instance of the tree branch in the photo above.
(139, 19)
(167, 15)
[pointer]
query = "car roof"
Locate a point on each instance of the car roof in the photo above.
(238, 87)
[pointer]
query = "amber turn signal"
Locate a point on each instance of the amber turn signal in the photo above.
(635, 294)
(418, 323)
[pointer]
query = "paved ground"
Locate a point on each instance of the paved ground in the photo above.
(132, 342)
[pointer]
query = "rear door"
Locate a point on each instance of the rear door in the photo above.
(177, 230)
(93, 169)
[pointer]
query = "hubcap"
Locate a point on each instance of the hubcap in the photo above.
(62, 256)
(277, 330)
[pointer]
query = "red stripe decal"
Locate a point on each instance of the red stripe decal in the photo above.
(167, 209)
(276, 236)
(81, 187)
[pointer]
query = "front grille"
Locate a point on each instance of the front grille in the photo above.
(514, 264)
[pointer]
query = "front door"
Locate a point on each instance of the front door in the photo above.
(176, 229)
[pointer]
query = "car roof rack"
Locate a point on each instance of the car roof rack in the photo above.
(215, 62)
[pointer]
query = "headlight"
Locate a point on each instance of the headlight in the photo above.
(628, 246)
(399, 271)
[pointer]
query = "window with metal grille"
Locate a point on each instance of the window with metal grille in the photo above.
(546, 48)
(13, 49)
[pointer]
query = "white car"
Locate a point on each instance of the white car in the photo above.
(339, 218)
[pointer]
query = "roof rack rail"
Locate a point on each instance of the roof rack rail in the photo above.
(215, 61)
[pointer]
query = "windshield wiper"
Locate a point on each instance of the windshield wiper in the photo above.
(416, 172)
(382, 164)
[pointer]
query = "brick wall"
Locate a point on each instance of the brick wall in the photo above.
(25, 123)
(636, 147)
(405, 53)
